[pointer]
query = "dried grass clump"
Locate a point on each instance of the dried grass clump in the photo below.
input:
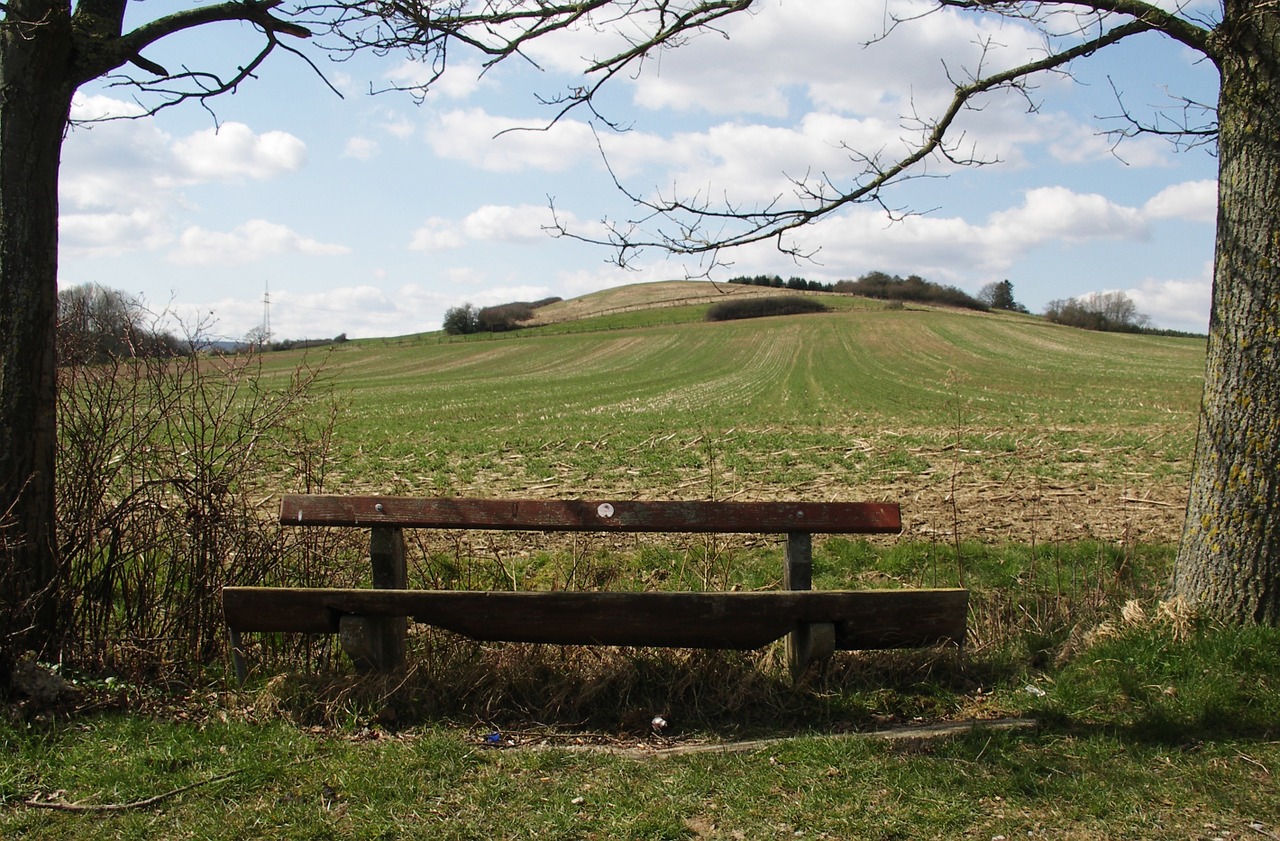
(514, 687)
(1174, 616)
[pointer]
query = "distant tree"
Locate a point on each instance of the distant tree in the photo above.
(1113, 312)
(97, 324)
(258, 338)
(461, 320)
(999, 296)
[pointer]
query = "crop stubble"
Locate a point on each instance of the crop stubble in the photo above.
(998, 428)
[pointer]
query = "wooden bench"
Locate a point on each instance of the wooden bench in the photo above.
(372, 623)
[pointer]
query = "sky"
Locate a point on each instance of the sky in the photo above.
(326, 212)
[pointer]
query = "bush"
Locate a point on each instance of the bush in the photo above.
(914, 288)
(163, 467)
(504, 317)
(776, 282)
(303, 344)
(762, 307)
(461, 320)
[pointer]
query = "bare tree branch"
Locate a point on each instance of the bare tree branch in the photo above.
(104, 48)
(1195, 126)
(1196, 36)
(697, 224)
(688, 220)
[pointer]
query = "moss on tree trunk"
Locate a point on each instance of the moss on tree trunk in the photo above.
(1229, 560)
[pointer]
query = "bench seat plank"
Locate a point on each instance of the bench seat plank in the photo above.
(863, 619)
(589, 515)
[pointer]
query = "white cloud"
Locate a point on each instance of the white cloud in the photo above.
(1074, 143)
(935, 246)
(113, 166)
(485, 141)
(490, 223)
(234, 151)
(249, 242)
(1061, 214)
(758, 63)
(1195, 201)
(398, 126)
(361, 148)
(358, 311)
(459, 276)
(96, 235)
(122, 181)
(505, 223)
(1177, 304)
(437, 234)
(90, 107)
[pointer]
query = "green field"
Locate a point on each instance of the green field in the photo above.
(1035, 430)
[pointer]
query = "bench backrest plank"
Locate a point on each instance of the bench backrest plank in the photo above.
(597, 515)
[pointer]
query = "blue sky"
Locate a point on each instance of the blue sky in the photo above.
(370, 215)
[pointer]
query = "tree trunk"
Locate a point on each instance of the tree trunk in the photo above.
(1229, 560)
(35, 101)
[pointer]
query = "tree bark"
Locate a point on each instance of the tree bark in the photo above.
(1229, 559)
(35, 102)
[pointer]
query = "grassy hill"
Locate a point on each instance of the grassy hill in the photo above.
(998, 424)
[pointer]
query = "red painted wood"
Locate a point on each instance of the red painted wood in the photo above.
(593, 515)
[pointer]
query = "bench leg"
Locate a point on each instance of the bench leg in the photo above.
(374, 643)
(237, 657)
(377, 644)
(811, 642)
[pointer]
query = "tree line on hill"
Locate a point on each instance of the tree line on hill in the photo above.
(1104, 311)
(879, 285)
(466, 318)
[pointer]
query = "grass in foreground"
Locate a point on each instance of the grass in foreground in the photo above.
(1157, 728)
(1151, 726)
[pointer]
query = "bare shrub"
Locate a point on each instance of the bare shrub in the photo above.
(166, 468)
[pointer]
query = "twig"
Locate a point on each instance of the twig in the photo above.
(1253, 761)
(1142, 501)
(1262, 830)
(124, 807)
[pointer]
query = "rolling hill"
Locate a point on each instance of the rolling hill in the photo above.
(991, 425)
